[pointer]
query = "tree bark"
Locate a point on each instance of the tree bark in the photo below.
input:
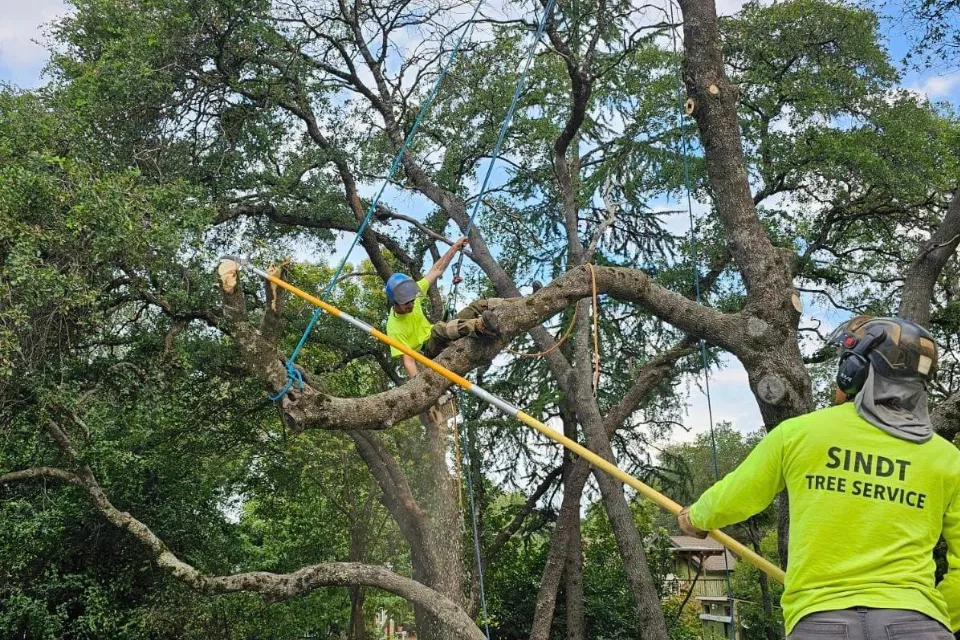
(573, 567)
(355, 553)
(574, 481)
(436, 556)
(946, 417)
(629, 543)
(358, 625)
(925, 270)
(445, 539)
(772, 358)
(573, 585)
(311, 408)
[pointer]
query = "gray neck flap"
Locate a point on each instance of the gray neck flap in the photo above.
(898, 407)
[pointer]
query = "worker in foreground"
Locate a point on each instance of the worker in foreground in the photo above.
(871, 489)
(408, 325)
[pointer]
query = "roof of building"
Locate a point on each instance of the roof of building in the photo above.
(689, 543)
(708, 548)
(716, 563)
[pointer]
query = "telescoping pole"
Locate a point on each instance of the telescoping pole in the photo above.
(648, 492)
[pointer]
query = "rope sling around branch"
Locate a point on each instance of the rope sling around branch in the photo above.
(645, 490)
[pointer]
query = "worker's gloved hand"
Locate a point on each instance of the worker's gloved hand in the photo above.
(687, 527)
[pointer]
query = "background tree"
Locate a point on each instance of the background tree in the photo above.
(274, 117)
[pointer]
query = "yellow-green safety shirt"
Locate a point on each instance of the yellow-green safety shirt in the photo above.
(411, 329)
(866, 509)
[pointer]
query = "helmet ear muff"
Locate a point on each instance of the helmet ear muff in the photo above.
(854, 365)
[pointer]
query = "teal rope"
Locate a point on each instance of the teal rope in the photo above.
(293, 375)
(451, 301)
(696, 260)
(504, 127)
(468, 463)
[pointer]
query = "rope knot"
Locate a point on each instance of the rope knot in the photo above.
(293, 377)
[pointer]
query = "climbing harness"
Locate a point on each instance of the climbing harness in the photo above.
(293, 375)
(648, 492)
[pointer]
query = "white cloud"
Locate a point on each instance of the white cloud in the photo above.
(940, 86)
(729, 7)
(20, 31)
(731, 399)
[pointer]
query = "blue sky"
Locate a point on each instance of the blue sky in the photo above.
(22, 58)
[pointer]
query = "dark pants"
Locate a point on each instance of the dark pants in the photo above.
(463, 325)
(869, 624)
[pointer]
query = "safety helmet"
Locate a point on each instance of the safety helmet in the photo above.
(898, 349)
(401, 289)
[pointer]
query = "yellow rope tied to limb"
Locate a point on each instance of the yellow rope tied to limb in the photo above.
(596, 331)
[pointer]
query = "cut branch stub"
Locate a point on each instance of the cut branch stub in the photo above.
(689, 106)
(227, 270)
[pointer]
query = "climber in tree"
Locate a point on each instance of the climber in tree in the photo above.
(408, 325)
(871, 489)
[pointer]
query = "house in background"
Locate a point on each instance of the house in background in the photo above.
(709, 559)
(388, 629)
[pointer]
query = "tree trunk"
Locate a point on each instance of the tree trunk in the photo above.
(573, 585)
(621, 518)
(573, 569)
(567, 522)
(358, 626)
(445, 530)
(434, 533)
(926, 268)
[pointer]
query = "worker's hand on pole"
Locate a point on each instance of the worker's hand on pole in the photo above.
(460, 244)
(687, 527)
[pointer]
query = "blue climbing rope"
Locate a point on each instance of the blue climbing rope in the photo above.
(452, 299)
(293, 375)
(696, 261)
(468, 463)
(504, 127)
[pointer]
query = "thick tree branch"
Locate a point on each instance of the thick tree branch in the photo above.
(311, 408)
(581, 87)
(574, 481)
(926, 267)
(528, 506)
(583, 402)
(271, 585)
(649, 376)
(40, 472)
(766, 271)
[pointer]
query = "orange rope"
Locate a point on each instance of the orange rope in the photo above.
(521, 354)
(573, 323)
